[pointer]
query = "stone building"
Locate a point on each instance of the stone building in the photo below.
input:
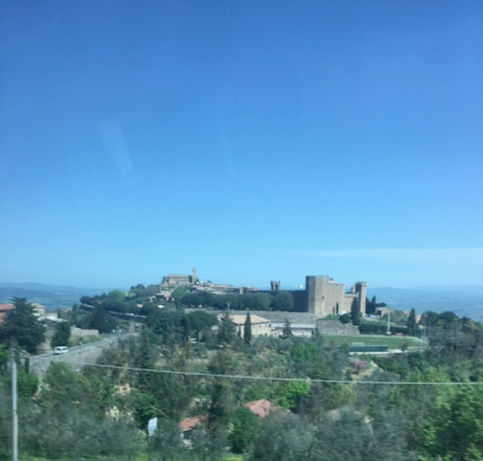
(260, 325)
(323, 296)
(177, 279)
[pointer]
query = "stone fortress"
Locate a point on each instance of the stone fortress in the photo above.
(323, 296)
(177, 279)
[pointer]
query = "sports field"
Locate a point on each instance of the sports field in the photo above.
(392, 342)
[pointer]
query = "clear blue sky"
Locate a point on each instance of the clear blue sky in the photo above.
(256, 140)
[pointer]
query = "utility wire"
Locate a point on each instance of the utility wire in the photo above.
(270, 378)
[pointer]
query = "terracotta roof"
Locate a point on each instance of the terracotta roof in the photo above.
(190, 423)
(239, 319)
(260, 408)
(4, 308)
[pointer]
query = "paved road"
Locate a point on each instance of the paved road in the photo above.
(78, 349)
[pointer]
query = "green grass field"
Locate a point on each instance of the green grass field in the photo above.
(392, 342)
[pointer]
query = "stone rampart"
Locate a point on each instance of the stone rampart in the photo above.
(273, 316)
(334, 327)
(75, 358)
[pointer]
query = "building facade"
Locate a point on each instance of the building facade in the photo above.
(323, 296)
(177, 279)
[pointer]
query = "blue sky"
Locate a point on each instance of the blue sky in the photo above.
(255, 140)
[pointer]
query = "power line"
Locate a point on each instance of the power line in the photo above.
(270, 378)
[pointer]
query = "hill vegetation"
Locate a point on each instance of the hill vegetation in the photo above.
(326, 404)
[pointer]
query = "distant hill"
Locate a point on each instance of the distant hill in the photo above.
(463, 301)
(50, 296)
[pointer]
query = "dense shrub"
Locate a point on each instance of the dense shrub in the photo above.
(345, 318)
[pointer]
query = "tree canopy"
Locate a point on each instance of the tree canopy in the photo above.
(21, 326)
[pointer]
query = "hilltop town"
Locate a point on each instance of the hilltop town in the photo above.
(195, 370)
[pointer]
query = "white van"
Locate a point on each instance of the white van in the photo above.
(61, 350)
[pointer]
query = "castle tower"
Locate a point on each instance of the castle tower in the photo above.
(361, 289)
(194, 277)
(274, 286)
(323, 296)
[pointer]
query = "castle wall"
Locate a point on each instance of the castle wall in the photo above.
(75, 358)
(298, 300)
(348, 299)
(323, 296)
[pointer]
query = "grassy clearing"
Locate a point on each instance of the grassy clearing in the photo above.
(392, 342)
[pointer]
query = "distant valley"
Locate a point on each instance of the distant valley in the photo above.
(50, 296)
(462, 300)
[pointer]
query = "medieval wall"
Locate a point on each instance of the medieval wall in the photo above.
(325, 297)
(75, 358)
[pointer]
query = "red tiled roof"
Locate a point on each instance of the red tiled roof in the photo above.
(4, 308)
(260, 408)
(190, 423)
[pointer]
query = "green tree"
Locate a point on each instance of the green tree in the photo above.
(412, 326)
(61, 335)
(64, 387)
(221, 404)
(288, 394)
(247, 329)
(345, 318)
(144, 359)
(100, 320)
(371, 305)
(245, 427)
(209, 444)
(287, 330)
(221, 396)
(355, 313)
(200, 321)
(226, 329)
(284, 438)
(74, 315)
(455, 430)
(117, 296)
(348, 435)
(283, 301)
(166, 442)
(20, 325)
(4, 355)
(169, 324)
(261, 302)
(159, 394)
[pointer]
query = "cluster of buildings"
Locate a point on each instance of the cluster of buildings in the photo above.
(172, 281)
(262, 326)
(322, 296)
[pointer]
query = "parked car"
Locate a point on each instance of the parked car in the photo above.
(61, 350)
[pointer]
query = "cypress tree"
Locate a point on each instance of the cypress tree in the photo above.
(355, 313)
(247, 329)
(287, 330)
(412, 327)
